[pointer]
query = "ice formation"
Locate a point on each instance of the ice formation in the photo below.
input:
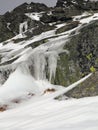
(23, 27)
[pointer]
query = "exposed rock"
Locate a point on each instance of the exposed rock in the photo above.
(49, 90)
(54, 17)
(67, 27)
(82, 58)
(87, 89)
(40, 29)
(5, 33)
(79, 4)
(87, 47)
(68, 71)
(3, 108)
(17, 16)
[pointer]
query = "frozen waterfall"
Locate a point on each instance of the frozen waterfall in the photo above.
(44, 65)
(23, 27)
(43, 59)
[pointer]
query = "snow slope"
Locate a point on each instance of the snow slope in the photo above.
(35, 109)
(45, 113)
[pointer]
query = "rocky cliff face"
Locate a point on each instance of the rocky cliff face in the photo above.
(76, 7)
(79, 4)
(11, 20)
(63, 41)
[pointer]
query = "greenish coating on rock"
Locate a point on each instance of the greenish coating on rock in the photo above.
(67, 71)
(83, 59)
(86, 89)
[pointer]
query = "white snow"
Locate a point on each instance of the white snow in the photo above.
(42, 112)
(34, 16)
(20, 83)
(45, 113)
(8, 24)
(60, 25)
(86, 17)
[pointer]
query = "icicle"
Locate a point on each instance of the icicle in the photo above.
(23, 27)
(52, 64)
(39, 66)
(42, 61)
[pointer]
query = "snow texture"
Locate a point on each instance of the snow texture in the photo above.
(38, 110)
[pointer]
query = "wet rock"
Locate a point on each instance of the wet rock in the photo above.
(82, 58)
(67, 27)
(87, 89)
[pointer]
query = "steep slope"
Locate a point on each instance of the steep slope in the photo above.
(62, 55)
(42, 51)
(44, 113)
(11, 20)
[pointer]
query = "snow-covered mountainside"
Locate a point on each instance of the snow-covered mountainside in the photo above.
(48, 61)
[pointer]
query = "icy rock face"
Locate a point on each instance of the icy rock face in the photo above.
(43, 59)
(87, 89)
(23, 27)
(4, 74)
(42, 62)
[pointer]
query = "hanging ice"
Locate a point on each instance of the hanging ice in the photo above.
(52, 64)
(23, 27)
(39, 65)
(44, 63)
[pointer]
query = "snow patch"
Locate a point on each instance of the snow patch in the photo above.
(34, 16)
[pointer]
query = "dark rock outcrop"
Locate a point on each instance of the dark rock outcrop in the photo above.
(87, 89)
(79, 4)
(5, 33)
(32, 7)
(82, 60)
(10, 21)
(67, 27)
(76, 7)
